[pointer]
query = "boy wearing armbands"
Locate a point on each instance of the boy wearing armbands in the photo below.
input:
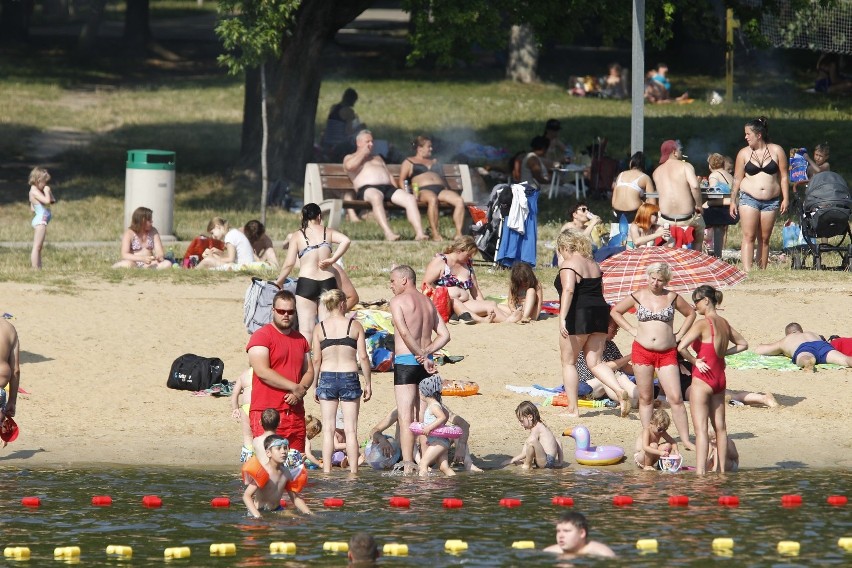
(266, 484)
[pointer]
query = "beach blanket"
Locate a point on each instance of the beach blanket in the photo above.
(536, 390)
(750, 360)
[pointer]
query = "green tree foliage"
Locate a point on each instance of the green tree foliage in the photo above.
(252, 31)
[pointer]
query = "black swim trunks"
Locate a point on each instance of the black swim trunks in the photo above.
(387, 190)
(313, 289)
(409, 374)
(436, 189)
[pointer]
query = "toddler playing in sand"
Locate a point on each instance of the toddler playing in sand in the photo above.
(654, 442)
(541, 449)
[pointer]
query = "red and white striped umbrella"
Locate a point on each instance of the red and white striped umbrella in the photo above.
(624, 272)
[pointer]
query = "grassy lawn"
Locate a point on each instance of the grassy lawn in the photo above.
(193, 108)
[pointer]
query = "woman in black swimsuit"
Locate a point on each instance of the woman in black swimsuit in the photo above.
(584, 318)
(338, 344)
(311, 246)
(760, 182)
(428, 174)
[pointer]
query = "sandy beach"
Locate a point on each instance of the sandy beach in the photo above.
(95, 362)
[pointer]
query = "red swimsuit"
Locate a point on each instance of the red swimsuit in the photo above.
(715, 376)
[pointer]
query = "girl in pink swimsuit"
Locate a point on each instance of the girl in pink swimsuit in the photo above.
(709, 338)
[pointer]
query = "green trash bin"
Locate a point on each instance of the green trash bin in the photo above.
(150, 182)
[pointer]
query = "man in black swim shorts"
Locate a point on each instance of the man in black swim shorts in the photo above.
(374, 183)
(415, 319)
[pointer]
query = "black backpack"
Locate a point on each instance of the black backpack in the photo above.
(195, 373)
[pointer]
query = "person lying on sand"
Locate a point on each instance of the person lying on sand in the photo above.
(805, 348)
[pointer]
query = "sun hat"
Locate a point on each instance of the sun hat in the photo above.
(431, 387)
(9, 430)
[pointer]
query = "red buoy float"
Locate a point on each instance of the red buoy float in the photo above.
(33, 502)
(101, 500)
(791, 500)
(152, 501)
(220, 502)
(622, 500)
(678, 501)
(562, 501)
(450, 503)
(333, 502)
(506, 502)
(836, 500)
(729, 501)
(403, 502)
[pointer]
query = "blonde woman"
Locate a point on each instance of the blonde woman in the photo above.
(141, 246)
(655, 343)
(453, 268)
(583, 318)
(337, 348)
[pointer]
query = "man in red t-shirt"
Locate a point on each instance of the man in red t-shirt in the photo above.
(283, 373)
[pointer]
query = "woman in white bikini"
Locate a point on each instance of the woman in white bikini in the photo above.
(630, 187)
(311, 245)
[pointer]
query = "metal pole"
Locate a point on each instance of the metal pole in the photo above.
(729, 56)
(637, 116)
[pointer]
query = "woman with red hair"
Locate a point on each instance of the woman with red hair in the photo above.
(644, 230)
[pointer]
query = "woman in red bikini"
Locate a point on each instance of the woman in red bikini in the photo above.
(655, 346)
(709, 339)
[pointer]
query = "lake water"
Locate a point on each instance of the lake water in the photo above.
(66, 516)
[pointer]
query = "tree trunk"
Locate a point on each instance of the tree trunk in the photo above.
(293, 83)
(88, 37)
(15, 20)
(137, 29)
(523, 54)
(264, 168)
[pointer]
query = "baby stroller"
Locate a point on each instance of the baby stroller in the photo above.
(824, 215)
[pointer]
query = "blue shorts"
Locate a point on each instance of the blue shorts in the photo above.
(819, 349)
(762, 205)
(339, 386)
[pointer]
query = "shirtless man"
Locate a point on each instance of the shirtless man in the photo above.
(414, 320)
(679, 194)
(805, 348)
(572, 538)
(10, 369)
(374, 183)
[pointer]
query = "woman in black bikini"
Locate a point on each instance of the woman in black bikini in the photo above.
(312, 247)
(428, 174)
(583, 318)
(338, 344)
(761, 183)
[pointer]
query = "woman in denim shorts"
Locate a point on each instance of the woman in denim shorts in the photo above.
(338, 346)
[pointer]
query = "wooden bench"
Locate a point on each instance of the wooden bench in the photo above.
(326, 184)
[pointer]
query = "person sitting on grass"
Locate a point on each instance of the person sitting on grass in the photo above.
(237, 253)
(805, 348)
(572, 538)
(645, 230)
(525, 294)
(261, 244)
(141, 246)
(268, 483)
(541, 449)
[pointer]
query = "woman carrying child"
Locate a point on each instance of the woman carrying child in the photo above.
(338, 345)
(141, 246)
(583, 318)
(709, 338)
(312, 245)
(435, 415)
(645, 230)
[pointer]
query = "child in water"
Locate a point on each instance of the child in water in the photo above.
(40, 199)
(541, 449)
(649, 447)
(435, 415)
(267, 483)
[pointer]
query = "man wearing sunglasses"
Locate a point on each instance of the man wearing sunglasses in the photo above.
(282, 372)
